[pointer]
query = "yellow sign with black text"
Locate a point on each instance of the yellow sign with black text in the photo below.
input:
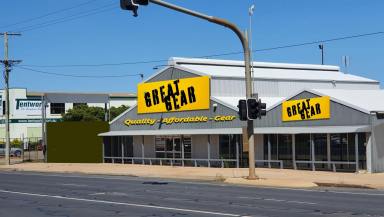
(306, 109)
(174, 95)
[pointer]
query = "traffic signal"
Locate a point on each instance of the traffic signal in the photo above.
(255, 108)
(132, 5)
(252, 108)
(242, 110)
(261, 109)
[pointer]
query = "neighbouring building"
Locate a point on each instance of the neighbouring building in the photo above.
(25, 111)
(318, 118)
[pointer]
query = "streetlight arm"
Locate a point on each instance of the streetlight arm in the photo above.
(212, 19)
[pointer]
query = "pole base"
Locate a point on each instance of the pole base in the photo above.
(252, 178)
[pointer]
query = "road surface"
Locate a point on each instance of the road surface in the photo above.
(37, 194)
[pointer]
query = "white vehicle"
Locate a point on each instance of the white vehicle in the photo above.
(16, 152)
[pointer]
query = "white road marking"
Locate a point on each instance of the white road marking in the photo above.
(120, 203)
(73, 185)
(139, 179)
(277, 200)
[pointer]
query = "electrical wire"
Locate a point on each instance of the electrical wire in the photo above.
(298, 45)
(87, 13)
(97, 65)
(213, 55)
(78, 76)
(48, 14)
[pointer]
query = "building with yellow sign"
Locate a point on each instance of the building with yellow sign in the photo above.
(318, 118)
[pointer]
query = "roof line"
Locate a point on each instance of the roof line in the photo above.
(287, 79)
(320, 94)
(261, 67)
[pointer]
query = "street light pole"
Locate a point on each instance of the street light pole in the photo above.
(248, 82)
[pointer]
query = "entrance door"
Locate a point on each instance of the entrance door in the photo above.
(174, 147)
(177, 147)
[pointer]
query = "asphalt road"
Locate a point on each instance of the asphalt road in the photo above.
(35, 194)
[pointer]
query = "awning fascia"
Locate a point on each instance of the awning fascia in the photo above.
(263, 130)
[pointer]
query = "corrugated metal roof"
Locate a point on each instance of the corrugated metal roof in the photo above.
(363, 100)
(234, 101)
(368, 100)
(262, 70)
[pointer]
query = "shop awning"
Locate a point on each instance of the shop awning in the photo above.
(264, 130)
(173, 132)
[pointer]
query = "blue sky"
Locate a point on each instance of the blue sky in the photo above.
(114, 36)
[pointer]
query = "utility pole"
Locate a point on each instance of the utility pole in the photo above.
(133, 5)
(7, 69)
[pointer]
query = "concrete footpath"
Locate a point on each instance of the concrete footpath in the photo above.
(267, 177)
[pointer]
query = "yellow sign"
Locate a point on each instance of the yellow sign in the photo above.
(306, 109)
(173, 95)
(179, 120)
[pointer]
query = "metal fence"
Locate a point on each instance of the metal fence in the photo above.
(23, 150)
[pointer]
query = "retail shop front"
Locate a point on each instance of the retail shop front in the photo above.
(177, 122)
(197, 130)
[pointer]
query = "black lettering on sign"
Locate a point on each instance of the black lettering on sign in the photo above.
(162, 93)
(175, 104)
(191, 94)
(289, 112)
(313, 112)
(318, 109)
(170, 90)
(147, 97)
(171, 96)
(176, 82)
(168, 103)
(155, 96)
(294, 111)
(183, 98)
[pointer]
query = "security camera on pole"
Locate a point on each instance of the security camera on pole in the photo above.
(133, 6)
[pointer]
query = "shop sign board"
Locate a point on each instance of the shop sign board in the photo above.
(179, 120)
(306, 109)
(174, 95)
(27, 107)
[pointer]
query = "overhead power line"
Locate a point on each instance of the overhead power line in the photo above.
(298, 44)
(213, 55)
(48, 14)
(87, 13)
(98, 65)
(77, 75)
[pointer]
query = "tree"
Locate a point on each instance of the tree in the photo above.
(116, 111)
(90, 113)
(84, 113)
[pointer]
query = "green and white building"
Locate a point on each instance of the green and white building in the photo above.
(26, 113)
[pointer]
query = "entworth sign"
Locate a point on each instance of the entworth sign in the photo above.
(174, 95)
(306, 109)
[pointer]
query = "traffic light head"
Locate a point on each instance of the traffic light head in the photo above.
(132, 5)
(261, 110)
(242, 110)
(252, 106)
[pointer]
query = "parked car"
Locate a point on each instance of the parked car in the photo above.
(16, 152)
